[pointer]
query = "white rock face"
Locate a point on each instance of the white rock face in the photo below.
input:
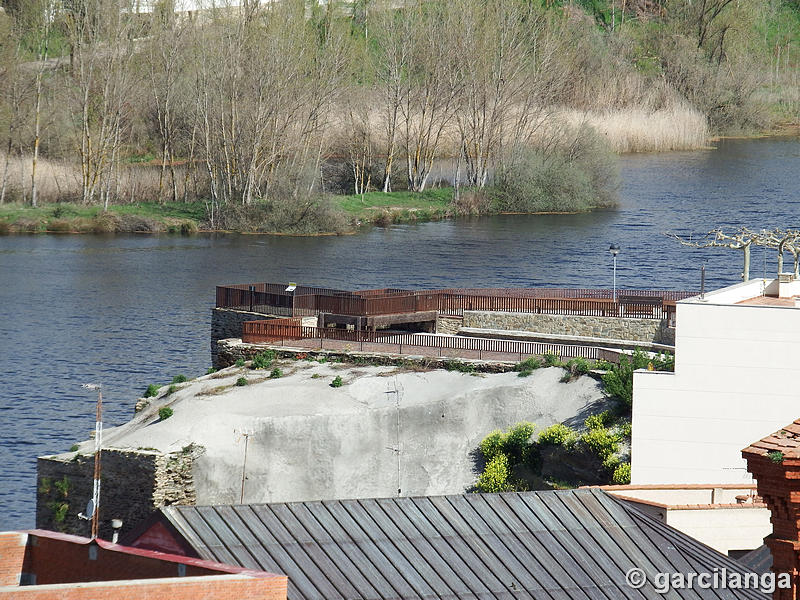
(309, 441)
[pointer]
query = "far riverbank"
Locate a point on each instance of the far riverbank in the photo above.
(354, 213)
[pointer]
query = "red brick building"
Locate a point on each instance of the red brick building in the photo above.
(43, 565)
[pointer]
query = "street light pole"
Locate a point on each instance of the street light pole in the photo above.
(614, 249)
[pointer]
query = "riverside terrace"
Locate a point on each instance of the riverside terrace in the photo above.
(384, 319)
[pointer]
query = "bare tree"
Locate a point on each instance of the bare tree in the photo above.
(102, 88)
(12, 94)
(166, 63)
(740, 240)
(502, 48)
(430, 90)
(782, 240)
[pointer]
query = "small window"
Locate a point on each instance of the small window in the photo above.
(181, 570)
(92, 552)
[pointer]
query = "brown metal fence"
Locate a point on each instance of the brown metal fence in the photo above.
(281, 332)
(307, 301)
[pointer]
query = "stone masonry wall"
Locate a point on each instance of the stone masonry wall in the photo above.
(133, 484)
(448, 325)
(644, 330)
(227, 323)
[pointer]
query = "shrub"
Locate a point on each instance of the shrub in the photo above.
(558, 435)
(337, 382)
(180, 379)
(263, 360)
(618, 381)
(578, 366)
(495, 476)
(461, 367)
(624, 430)
(239, 362)
(164, 413)
(529, 364)
(622, 474)
(578, 176)
(551, 359)
(601, 441)
(171, 390)
(611, 463)
(275, 373)
(74, 448)
(241, 381)
(492, 445)
(151, 391)
(517, 439)
(603, 419)
(210, 370)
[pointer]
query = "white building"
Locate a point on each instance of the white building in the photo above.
(728, 517)
(736, 379)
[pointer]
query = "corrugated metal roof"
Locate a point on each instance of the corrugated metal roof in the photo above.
(758, 560)
(571, 544)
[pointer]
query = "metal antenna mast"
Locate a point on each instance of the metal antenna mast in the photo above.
(94, 506)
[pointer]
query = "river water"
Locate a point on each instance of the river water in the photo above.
(127, 311)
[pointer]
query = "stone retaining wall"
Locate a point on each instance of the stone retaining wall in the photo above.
(134, 483)
(448, 325)
(644, 330)
(227, 323)
(234, 349)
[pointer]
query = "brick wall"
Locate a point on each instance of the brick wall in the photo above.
(12, 556)
(65, 567)
(64, 561)
(224, 587)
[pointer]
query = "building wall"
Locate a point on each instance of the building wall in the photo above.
(222, 587)
(736, 379)
(644, 330)
(12, 556)
(134, 483)
(740, 527)
(59, 560)
(54, 566)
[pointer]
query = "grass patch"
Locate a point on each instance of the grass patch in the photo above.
(337, 382)
(165, 412)
(372, 203)
(241, 382)
(151, 391)
(67, 217)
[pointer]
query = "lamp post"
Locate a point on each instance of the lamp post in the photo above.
(93, 510)
(614, 249)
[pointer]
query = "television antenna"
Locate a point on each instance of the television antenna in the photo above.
(93, 506)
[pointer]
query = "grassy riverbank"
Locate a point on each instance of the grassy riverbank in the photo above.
(351, 213)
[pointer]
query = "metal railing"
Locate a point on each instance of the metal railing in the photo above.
(306, 301)
(278, 332)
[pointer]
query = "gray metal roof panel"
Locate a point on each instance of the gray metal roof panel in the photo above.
(564, 545)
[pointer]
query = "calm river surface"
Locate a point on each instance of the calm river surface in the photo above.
(127, 311)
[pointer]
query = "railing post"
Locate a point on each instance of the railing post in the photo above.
(252, 290)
